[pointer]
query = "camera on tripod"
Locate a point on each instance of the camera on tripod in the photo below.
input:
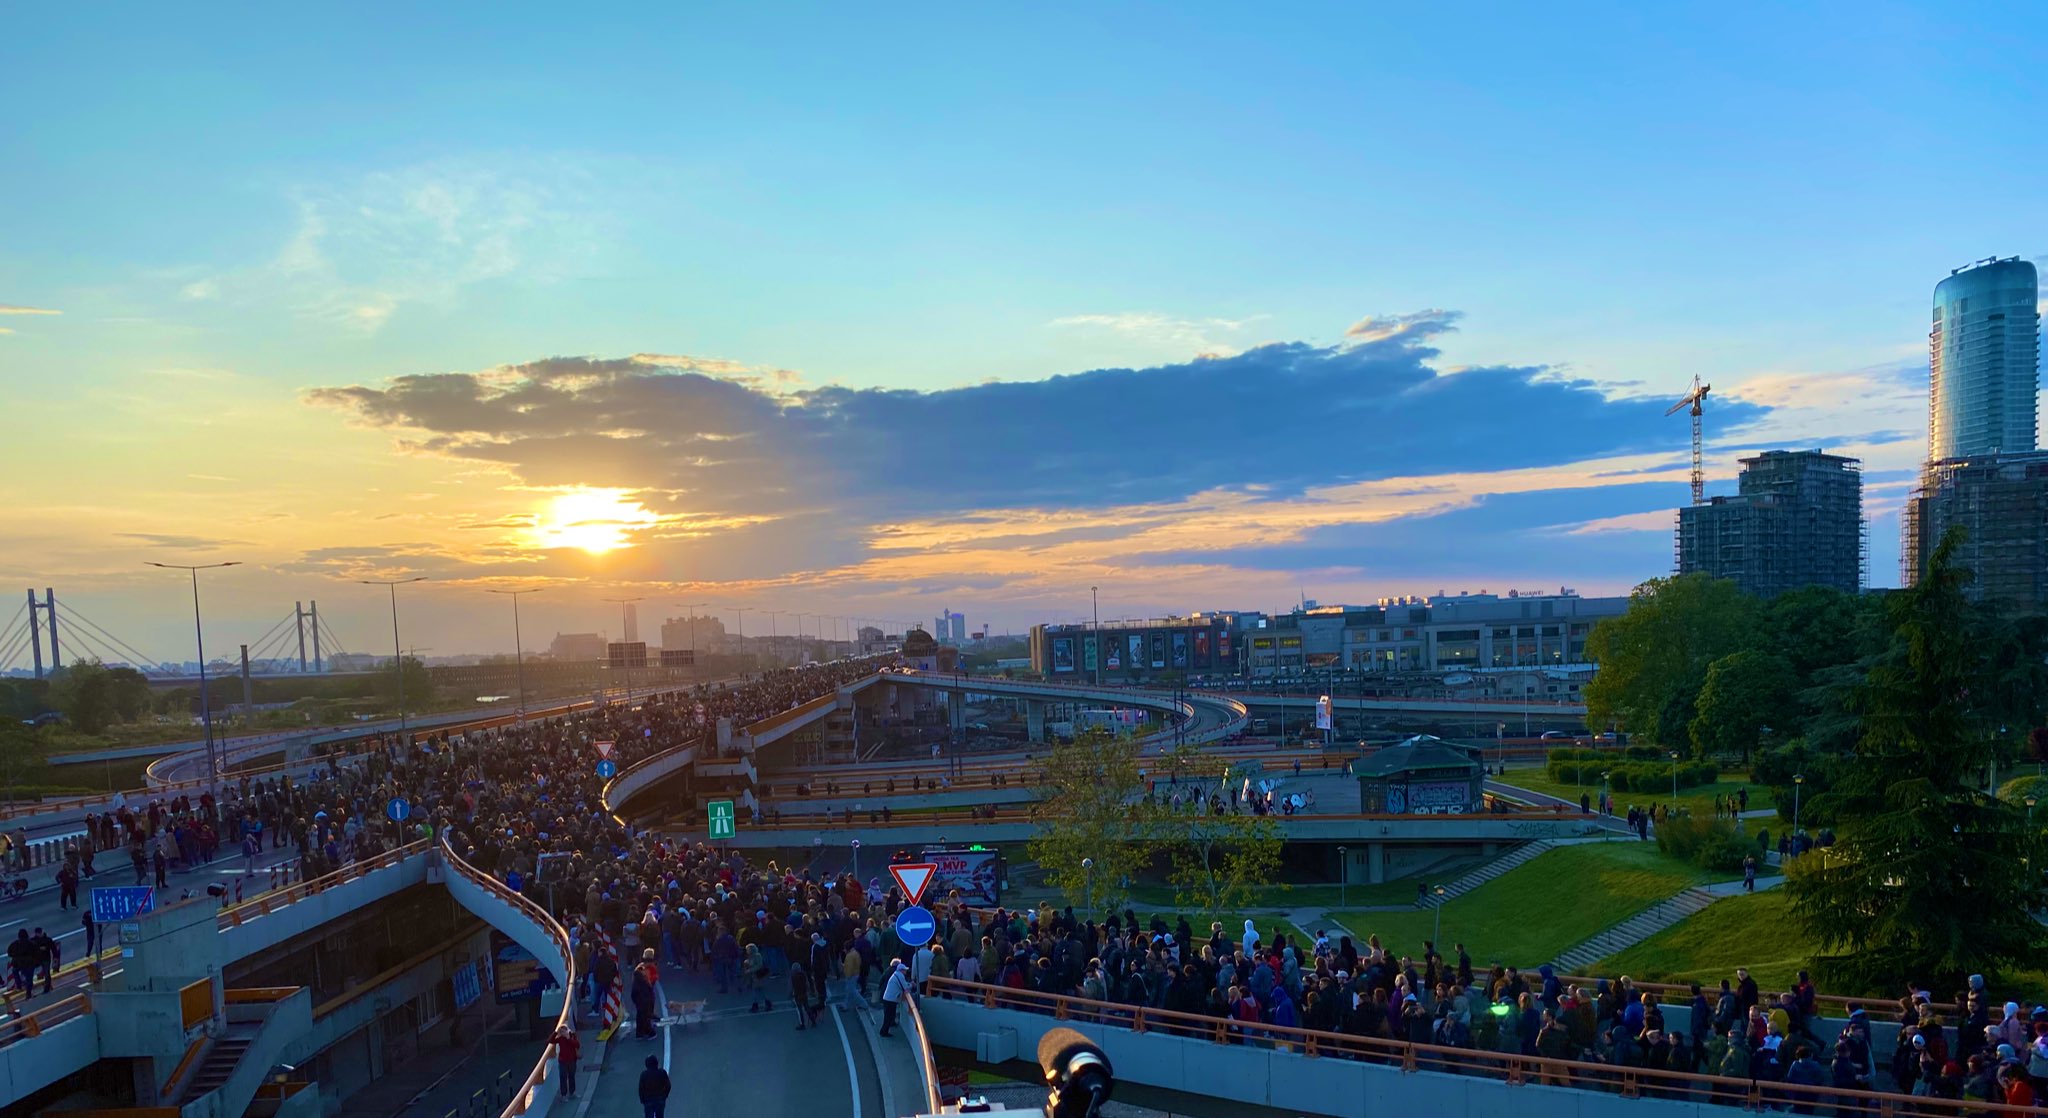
(1078, 1080)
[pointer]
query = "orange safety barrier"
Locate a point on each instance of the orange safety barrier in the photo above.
(33, 1024)
(263, 904)
(184, 1065)
(1511, 1068)
(257, 995)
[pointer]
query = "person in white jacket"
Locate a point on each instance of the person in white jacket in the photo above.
(893, 993)
(921, 966)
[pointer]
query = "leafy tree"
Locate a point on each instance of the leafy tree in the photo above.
(1218, 858)
(21, 756)
(1744, 692)
(94, 696)
(1092, 808)
(1658, 652)
(419, 684)
(1931, 877)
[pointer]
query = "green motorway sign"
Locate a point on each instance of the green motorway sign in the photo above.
(723, 824)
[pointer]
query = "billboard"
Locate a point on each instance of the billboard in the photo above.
(1063, 654)
(1115, 657)
(1223, 648)
(1323, 720)
(978, 874)
(1201, 648)
(515, 972)
(1088, 653)
(1159, 650)
(1180, 650)
(1137, 650)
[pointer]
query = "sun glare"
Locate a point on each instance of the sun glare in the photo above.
(595, 520)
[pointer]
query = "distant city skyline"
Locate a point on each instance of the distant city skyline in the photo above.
(878, 314)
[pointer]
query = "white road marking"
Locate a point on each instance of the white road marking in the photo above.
(852, 1076)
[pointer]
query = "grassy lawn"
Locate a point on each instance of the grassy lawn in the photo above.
(1752, 931)
(1699, 798)
(1527, 916)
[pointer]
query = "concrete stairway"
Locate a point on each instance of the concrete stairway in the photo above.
(221, 1057)
(1634, 930)
(1487, 872)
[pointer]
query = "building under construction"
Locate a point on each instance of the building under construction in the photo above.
(2000, 502)
(1797, 520)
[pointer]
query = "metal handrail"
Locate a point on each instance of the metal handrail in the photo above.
(522, 1098)
(927, 1068)
(33, 1024)
(262, 904)
(1513, 1068)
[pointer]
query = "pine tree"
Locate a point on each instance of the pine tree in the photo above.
(1933, 878)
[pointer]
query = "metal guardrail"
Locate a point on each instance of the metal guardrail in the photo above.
(1511, 1068)
(33, 1024)
(927, 1068)
(522, 1097)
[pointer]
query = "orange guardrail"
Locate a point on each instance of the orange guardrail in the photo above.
(522, 1098)
(184, 1065)
(1511, 1068)
(257, 995)
(801, 710)
(33, 1024)
(262, 905)
(927, 1068)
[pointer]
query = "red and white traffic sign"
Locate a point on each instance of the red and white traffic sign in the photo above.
(604, 748)
(914, 878)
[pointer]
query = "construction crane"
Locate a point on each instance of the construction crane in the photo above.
(1693, 400)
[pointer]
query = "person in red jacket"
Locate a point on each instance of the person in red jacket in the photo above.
(567, 1051)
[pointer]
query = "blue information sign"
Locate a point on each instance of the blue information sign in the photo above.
(121, 902)
(914, 926)
(398, 809)
(607, 769)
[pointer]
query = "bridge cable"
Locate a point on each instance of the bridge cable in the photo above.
(14, 647)
(129, 651)
(333, 646)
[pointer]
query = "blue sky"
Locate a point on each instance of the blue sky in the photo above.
(242, 214)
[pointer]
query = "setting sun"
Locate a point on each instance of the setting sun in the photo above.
(595, 520)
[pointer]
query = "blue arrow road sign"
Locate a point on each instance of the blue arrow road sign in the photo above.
(121, 902)
(914, 926)
(398, 809)
(607, 769)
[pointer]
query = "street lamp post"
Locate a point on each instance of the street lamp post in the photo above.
(518, 643)
(1343, 878)
(2030, 811)
(1798, 784)
(397, 655)
(693, 607)
(205, 700)
(1674, 778)
(1606, 809)
(773, 637)
(1088, 887)
(1436, 935)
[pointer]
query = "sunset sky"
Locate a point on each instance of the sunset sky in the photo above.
(878, 311)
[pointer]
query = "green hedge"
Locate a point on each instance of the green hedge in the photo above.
(1631, 776)
(1711, 844)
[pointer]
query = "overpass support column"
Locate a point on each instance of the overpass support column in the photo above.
(1034, 719)
(1376, 863)
(956, 712)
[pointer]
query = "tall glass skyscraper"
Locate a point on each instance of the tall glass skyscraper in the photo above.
(1984, 350)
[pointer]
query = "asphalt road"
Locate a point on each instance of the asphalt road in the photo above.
(742, 1063)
